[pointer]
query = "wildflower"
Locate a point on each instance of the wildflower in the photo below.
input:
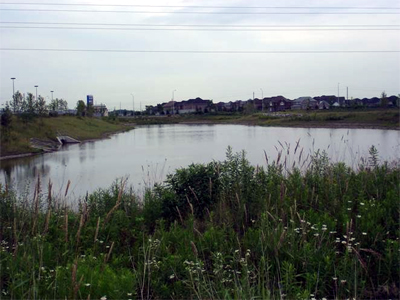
(359, 216)
(302, 221)
(364, 233)
(107, 247)
(324, 229)
(129, 294)
(87, 284)
(316, 234)
(170, 277)
(103, 298)
(332, 232)
(362, 203)
(349, 208)
(343, 281)
(344, 242)
(101, 242)
(83, 256)
(337, 240)
(334, 278)
(345, 236)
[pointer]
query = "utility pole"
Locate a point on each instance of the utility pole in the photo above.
(52, 95)
(133, 103)
(262, 99)
(338, 93)
(347, 91)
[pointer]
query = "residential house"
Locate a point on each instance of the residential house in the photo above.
(278, 103)
(193, 105)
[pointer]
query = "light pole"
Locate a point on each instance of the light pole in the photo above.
(52, 95)
(36, 86)
(262, 99)
(338, 93)
(133, 104)
(13, 78)
(173, 103)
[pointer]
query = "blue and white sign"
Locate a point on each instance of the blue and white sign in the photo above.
(89, 99)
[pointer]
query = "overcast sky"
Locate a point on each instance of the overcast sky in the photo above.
(112, 77)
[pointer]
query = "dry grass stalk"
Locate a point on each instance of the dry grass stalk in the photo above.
(194, 194)
(97, 230)
(36, 205)
(15, 229)
(179, 212)
(190, 205)
(67, 188)
(106, 259)
(66, 223)
(49, 199)
(75, 283)
(117, 204)
(194, 249)
(78, 234)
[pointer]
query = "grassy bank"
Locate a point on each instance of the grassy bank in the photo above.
(46, 129)
(378, 118)
(220, 230)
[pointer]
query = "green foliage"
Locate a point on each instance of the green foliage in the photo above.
(220, 230)
(80, 108)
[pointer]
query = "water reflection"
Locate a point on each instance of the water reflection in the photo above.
(148, 153)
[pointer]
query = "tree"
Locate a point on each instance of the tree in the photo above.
(16, 104)
(41, 106)
(6, 120)
(384, 100)
(81, 108)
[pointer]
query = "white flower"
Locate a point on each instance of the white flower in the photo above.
(364, 233)
(343, 281)
(170, 277)
(103, 298)
(334, 278)
(362, 203)
(359, 216)
(87, 284)
(129, 294)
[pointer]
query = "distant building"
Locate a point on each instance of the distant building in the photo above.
(100, 111)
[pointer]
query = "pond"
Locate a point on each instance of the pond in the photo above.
(148, 153)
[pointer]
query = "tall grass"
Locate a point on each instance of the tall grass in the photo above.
(220, 230)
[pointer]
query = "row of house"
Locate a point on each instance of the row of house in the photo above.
(269, 104)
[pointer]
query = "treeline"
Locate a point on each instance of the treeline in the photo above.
(27, 108)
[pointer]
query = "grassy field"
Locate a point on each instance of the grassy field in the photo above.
(19, 137)
(220, 230)
(379, 118)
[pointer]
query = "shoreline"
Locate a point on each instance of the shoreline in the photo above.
(105, 136)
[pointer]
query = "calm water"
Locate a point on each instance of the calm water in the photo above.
(147, 154)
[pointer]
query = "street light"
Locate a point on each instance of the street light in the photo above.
(36, 86)
(133, 104)
(13, 78)
(52, 95)
(262, 99)
(173, 103)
